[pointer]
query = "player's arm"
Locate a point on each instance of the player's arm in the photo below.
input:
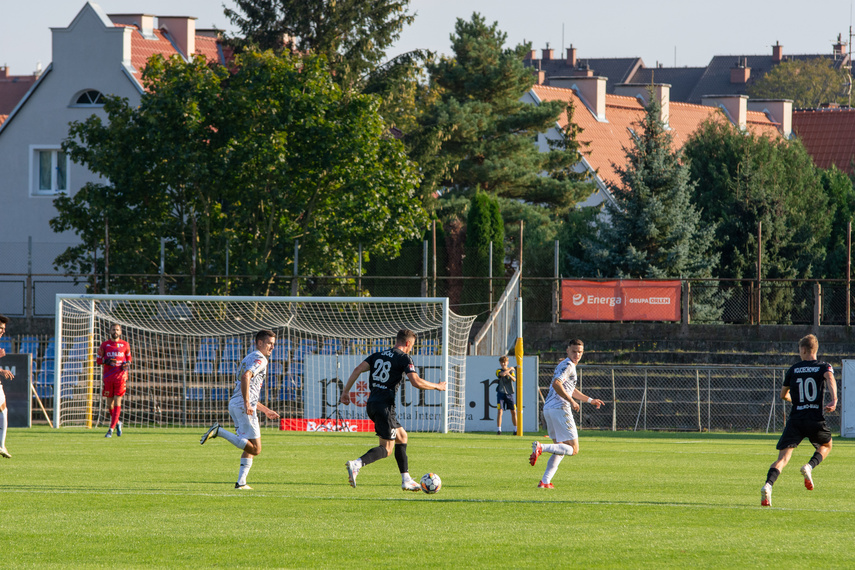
(832, 389)
(127, 363)
(99, 358)
(423, 384)
(244, 391)
(271, 415)
(582, 397)
(558, 386)
(785, 394)
(345, 392)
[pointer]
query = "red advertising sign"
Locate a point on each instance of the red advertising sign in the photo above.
(620, 300)
(326, 424)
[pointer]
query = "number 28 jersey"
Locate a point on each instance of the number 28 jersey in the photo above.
(806, 380)
(387, 370)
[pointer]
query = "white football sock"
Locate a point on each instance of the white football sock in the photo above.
(238, 442)
(558, 448)
(243, 471)
(551, 468)
(4, 423)
(405, 477)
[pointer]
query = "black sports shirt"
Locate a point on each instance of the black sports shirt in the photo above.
(806, 380)
(387, 370)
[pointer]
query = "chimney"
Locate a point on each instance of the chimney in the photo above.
(541, 77)
(839, 49)
(182, 32)
(778, 110)
(642, 91)
(740, 73)
(734, 106)
(571, 56)
(592, 91)
(532, 55)
(145, 23)
(547, 53)
(777, 53)
(583, 70)
(4, 71)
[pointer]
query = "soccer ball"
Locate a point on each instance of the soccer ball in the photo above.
(431, 483)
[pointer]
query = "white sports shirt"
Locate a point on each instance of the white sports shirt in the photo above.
(255, 363)
(566, 372)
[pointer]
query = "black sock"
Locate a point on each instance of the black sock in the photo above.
(815, 460)
(401, 457)
(772, 476)
(374, 454)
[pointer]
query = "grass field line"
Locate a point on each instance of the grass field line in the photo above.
(408, 498)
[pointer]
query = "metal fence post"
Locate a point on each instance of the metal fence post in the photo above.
(556, 289)
(294, 282)
(29, 300)
(614, 401)
(425, 268)
(817, 303)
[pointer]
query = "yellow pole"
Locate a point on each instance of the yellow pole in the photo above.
(90, 371)
(518, 353)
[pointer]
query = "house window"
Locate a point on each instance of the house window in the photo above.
(49, 171)
(90, 98)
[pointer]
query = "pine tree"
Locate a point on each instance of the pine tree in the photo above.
(484, 225)
(480, 136)
(653, 230)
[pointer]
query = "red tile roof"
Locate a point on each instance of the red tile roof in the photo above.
(3, 118)
(828, 136)
(142, 48)
(607, 140)
(12, 90)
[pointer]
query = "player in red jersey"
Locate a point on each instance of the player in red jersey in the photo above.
(115, 356)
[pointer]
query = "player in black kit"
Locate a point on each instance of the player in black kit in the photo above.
(388, 369)
(804, 386)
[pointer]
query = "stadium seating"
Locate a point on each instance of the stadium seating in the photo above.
(233, 351)
(220, 394)
(197, 393)
(228, 368)
(331, 346)
(6, 344)
(204, 367)
(29, 344)
(207, 352)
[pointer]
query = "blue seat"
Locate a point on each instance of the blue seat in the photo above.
(295, 369)
(6, 344)
(194, 394)
(220, 394)
(228, 368)
(204, 367)
(45, 377)
(79, 349)
(48, 364)
(233, 352)
(29, 346)
(280, 353)
(207, 352)
(288, 390)
(50, 351)
(427, 348)
(331, 346)
(274, 369)
(45, 391)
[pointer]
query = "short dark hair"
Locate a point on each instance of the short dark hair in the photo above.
(503, 358)
(404, 335)
(264, 334)
(575, 342)
(4, 320)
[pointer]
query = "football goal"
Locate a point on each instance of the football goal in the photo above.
(187, 350)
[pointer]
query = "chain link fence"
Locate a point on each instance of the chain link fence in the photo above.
(680, 398)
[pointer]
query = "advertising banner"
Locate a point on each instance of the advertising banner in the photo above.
(620, 300)
(414, 407)
(19, 399)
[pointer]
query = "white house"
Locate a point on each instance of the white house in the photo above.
(95, 54)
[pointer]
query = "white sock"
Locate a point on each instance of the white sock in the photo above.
(243, 471)
(238, 442)
(405, 477)
(558, 448)
(4, 423)
(500, 428)
(551, 468)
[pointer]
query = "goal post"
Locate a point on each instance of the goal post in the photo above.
(187, 349)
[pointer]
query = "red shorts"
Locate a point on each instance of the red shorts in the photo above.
(113, 387)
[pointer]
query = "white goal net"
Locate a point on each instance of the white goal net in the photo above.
(187, 350)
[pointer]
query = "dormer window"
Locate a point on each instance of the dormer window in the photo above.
(89, 98)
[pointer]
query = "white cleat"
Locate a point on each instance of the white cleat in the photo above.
(119, 429)
(211, 434)
(5, 453)
(766, 495)
(109, 433)
(807, 471)
(243, 487)
(410, 485)
(352, 472)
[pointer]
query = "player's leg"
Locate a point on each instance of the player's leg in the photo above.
(249, 430)
(499, 414)
(117, 406)
(238, 415)
(565, 442)
(820, 437)
(407, 482)
(790, 439)
(4, 424)
(107, 393)
(383, 418)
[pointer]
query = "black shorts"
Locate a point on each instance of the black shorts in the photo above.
(796, 430)
(384, 418)
(505, 401)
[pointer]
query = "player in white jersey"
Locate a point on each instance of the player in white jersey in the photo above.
(244, 403)
(558, 412)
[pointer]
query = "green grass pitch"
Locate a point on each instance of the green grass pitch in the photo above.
(155, 498)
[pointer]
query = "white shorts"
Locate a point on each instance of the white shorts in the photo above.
(245, 426)
(560, 424)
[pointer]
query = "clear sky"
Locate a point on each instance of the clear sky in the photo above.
(685, 32)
